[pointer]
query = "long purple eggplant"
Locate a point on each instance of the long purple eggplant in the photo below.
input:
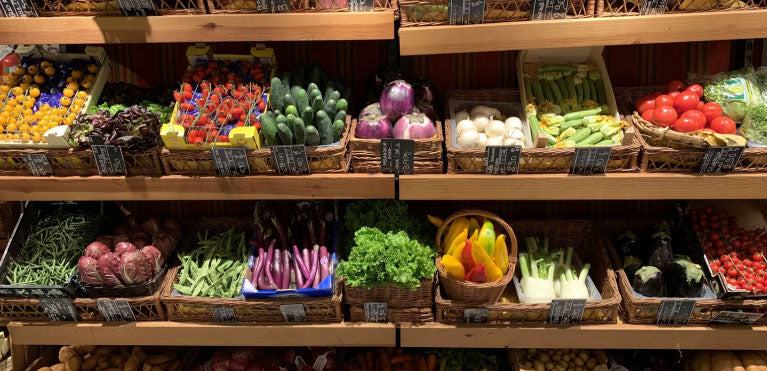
(285, 269)
(314, 259)
(307, 261)
(323, 227)
(277, 267)
(315, 269)
(300, 262)
(299, 276)
(259, 265)
(312, 234)
(324, 263)
(269, 284)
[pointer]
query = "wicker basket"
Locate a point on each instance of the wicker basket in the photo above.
(645, 310)
(395, 315)
(68, 162)
(393, 295)
(198, 309)
(296, 6)
(613, 8)
(434, 12)
(62, 8)
(140, 289)
(583, 237)
(472, 292)
(366, 153)
(658, 155)
(322, 159)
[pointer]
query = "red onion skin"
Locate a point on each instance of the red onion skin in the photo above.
(396, 99)
(414, 126)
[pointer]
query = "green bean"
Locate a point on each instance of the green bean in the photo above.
(215, 267)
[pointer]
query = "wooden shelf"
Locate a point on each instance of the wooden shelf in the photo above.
(174, 187)
(633, 186)
(198, 28)
(204, 334)
(616, 336)
(705, 26)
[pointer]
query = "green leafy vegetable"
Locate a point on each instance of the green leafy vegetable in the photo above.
(755, 124)
(388, 216)
(735, 91)
(379, 259)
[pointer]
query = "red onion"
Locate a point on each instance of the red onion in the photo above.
(396, 99)
(414, 126)
(373, 126)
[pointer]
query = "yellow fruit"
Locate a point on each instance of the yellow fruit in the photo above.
(50, 71)
(36, 137)
(15, 136)
(65, 101)
(29, 104)
(3, 96)
(82, 94)
(5, 88)
(45, 107)
(24, 86)
(90, 78)
(27, 112)
(34, 92)
(73, 86)
(77, 74)
(25, 136)
(87, 84)
(18, 91)
(12, 126)
(44, 140)
(68, 121)
(76, 108)
(19, 98)
(33, 70)
(39, 79)
(93, 68)
(27, 79)
(68, 92)
(44, 64)
(78, 101)
(20, 70)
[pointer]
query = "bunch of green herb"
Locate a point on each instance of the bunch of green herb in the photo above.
(388, 216)
(379, 259)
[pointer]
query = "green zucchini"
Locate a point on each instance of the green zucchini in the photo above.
(586, 91)
(579, 93)
(606, 142)
(593, 138)
(555, 90)
(557, 68)
(571, 87)
(592, 90)
(528, 87)
(547, 94)
(571, 124)
(580, 135)
(563, 88)
(581, 114)
(599, 84)
(537, 91)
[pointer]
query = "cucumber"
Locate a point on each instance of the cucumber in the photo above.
(335, 95)
(324, 126)
(286, 136)
(342, 105)
(281, 119)
(600, 85)
(338, 128)
(563, 88)
(312, 136)
(312, 86)
(329, 89)
(528, 87)
(580, 135)
(276, 113)
(571, 124)
(537, 91)
(291, 110)
(288, 100)
(302, 99)
(269, 129)
(291, 122)
(340, 115)
(299, 131)
(595, 137)
(318, 105)
(308, 116)
(547, 94)
(330, 108)
(314, 93)
(294, 90)
(275, 95)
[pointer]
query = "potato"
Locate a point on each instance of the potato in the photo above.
(132, 364)
(84, 349)
(103, 350)
(74, 363)
(155, 368)
(46, 368)
(65, 353)
(591, 363)
(175, 366)
(125, 351)
(103, 362)
(156, 359)
(58, 367)
(90, 363)
(117, 360)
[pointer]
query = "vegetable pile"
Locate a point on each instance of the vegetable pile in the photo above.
(133, 254)
(387, 216)
(741, 360)
(263, 359)
(565, 88)
(734, 253)
(486, 126)
(214, 267)
(549, 274)
(91, 357)
(577, 129)
(397, 105)
(125, 94)
(743, 96)
(557, 359)
(135, 128)
(475, 254)
(228, 71)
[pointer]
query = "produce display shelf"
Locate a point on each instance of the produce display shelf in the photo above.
(176, 187)
(613, 336)
(704, 26)
(203, 334)
(199, 28)
(614, 186)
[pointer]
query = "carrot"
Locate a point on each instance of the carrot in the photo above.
(422, 365)
(402, 358)
(432, 363)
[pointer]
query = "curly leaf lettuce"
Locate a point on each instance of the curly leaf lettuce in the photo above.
(755, 124)
(735, 92)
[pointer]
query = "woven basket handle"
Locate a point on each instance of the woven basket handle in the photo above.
(473, 212)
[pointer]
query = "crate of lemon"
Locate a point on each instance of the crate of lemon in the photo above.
(39, 101)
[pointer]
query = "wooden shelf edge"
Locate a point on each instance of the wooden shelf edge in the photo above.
(684, 27)
(613, 336)
(199, 28)
(175, 187)
(613, 186)
(161, 333)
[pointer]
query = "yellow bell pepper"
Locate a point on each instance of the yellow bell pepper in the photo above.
(455, 228)
(459, 250)
(501, 257)
(435, 220)
(475, 236)
(458, 241)
(487, 237)
(480, 257)
(473, 225)
(453, 267)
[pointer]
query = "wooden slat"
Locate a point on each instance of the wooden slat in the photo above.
(725, 25)
(204, 334)
(198, 28)
(635, 186)
(616, 336)
(316, 186)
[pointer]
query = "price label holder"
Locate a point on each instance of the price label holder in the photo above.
(59, 309)
(37, 164)
(475, 315)
(290, 159)
(293, 312)
(223, 314)
(133, 8)
(721, 159)
(109, 159)
(361, 5)
(590, 160)
(466, 11)
(652, 7)
(230, 161)
(117, 310)
(18, 8)
(375, 312)
(273, 6)
(566, 311)
(397, 156)
(675, 311)
(726, 317)
(502, 160)
(543, 10)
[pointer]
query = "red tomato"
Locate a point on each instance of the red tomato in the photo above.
(685, 125)
(664, 99)
(664, 115)
(712, 110)
(723, 125)
(672, 94)
(700, 106)
(695, 89)
(647, 114)
(686, 101)
(645, 103)
(674, 85)
(699, 118)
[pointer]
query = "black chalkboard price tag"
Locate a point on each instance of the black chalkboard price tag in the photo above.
(361, 5)
(726, 317)
(675, 311)
(117, 310)
(590, 160)
(651, 7)
(293, 312)
(109, 159)
(501, 160)
(466, 11)
(721, 159)
(37, 164)
(542, 10)
(59, 309)
(137, 7)
(475, 315)
(375, 312)
(566, 311)
(18, 8)
(273, 6)
(290, 159)
(223, 314)
(230, 161)
(397, 156)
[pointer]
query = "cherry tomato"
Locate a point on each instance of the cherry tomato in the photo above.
(732, 273)
(647, 114)
(675, 85)
(645, 103)
(664, 100)
(695, 89)
(685, 125)
(672, 94)
(698, 116)
(723, 125)
(711, 110)
(685, 101)
(756, 257)
(664, 115)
